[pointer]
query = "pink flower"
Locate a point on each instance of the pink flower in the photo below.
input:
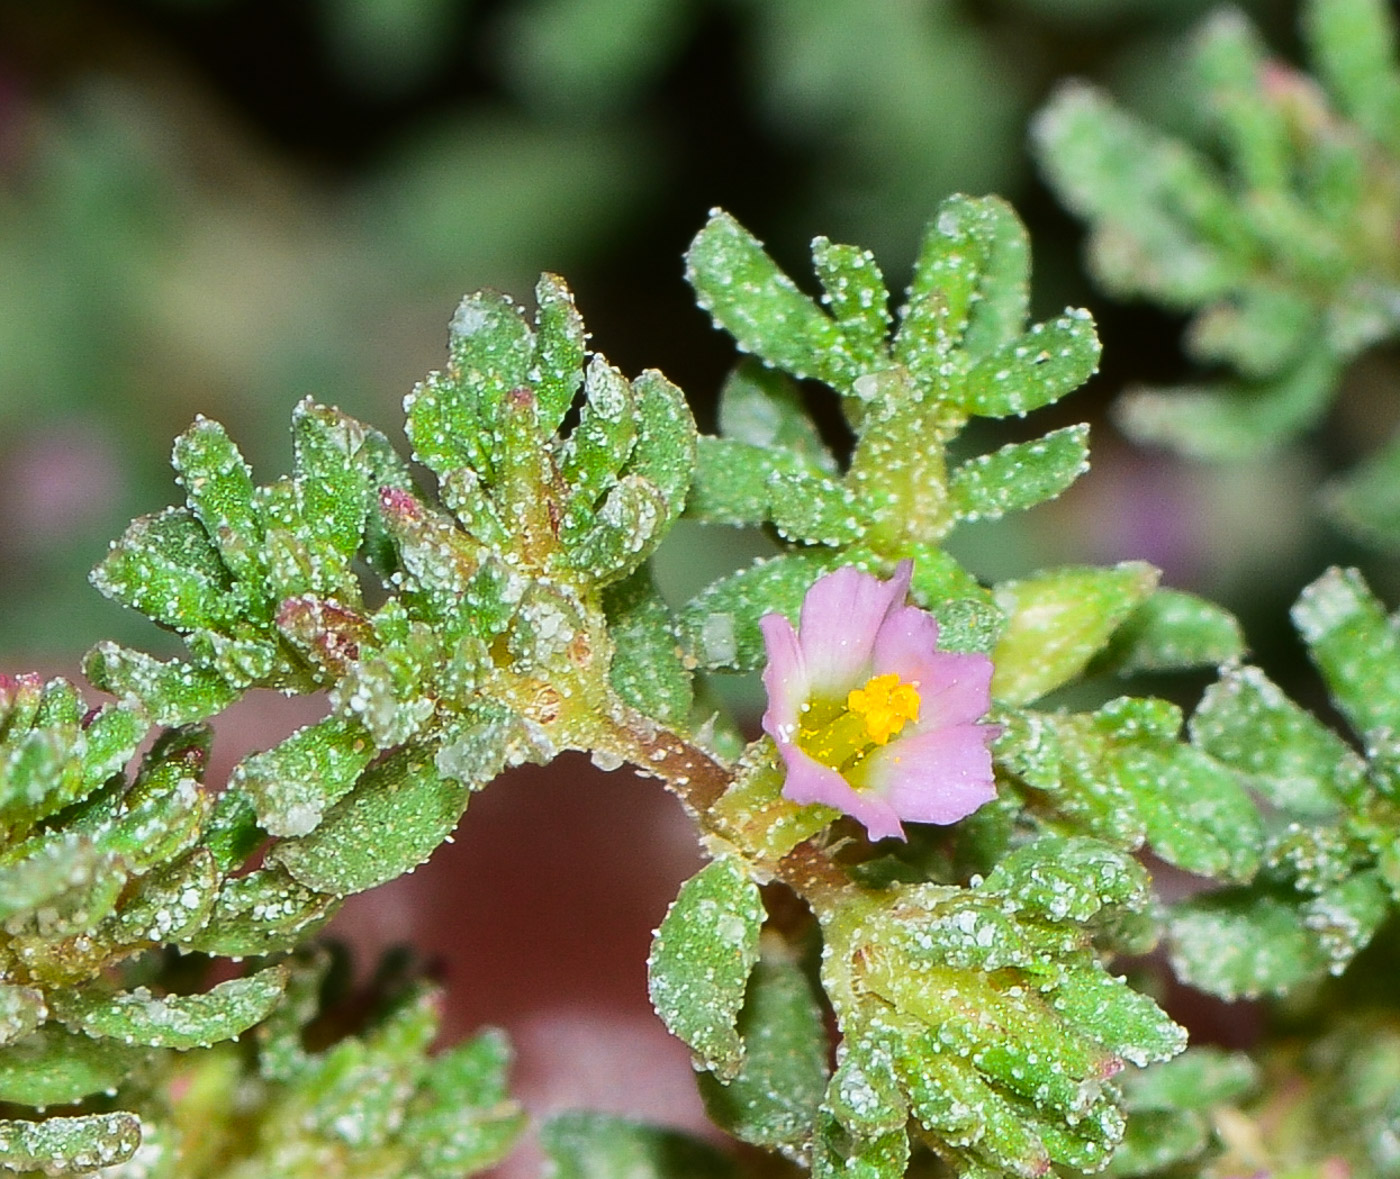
(869, 716)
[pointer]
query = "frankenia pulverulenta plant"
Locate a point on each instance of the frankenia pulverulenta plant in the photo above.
(1276, 232)
(509, 614)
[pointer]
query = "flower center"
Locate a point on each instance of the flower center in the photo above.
(840, 737)
(886, 704)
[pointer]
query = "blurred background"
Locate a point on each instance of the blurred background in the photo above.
(222, 206)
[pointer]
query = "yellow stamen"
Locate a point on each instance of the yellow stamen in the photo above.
(886, 705)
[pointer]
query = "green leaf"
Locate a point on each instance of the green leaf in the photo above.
(1069, 879)
(219, 487)
(856, 296)
(720, 624)
(601, 1146)
(1355, 646)
(225, 1011)
(647, 669)
(1366, 502)
(765, 408)
(971, 285)
(1019, 475)
(492, 352)
(333, 495)
(1354, 42)
(1232, 419)
(760, 306)
(1196, 814)
(601, 443)
(1345, 917)
(838, 1154)
(293, 783)
(63, 882)
(21, 1011)
(165, 566)
(559, 349)
(773, 1099)
(1173, 630)
(1056, 622)
(169, 692)
(262, 912)
(1034, 370)
(1164, 224)
(461, 1120)
(1245, 721)
(54, 1066)
(400, 810)
(69, 1146)
(701, 960)
(1241, 943)
(665, 452)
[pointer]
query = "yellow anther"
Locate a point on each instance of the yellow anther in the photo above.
(886, 704)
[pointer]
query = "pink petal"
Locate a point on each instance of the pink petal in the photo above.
(841, 615)
(810, 781)
(955, 689)
(904, 642)
(934, 776)
(785, 677)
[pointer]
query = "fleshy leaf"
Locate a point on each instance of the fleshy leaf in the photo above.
(1173, 630)
(69, 1145)
(54, 1066)
(701, 960)
(773, 1099)
(760, 306)
(353, 848)
(224, 1011)
(1242, 944)
(1019, 475)
(1292, 759)
(1355, 646)
(1057, 622)
(293, 783)
(720, 624)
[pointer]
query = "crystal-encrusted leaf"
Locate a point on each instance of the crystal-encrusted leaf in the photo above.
(461, 1120)
(1174, 630)
(219, 487)
(295, 782)
(224, 1011)
(701, 960)
(1019, 475)
(760, 306)
(764, 408)
(773, 1099)
(1057, 622)
(352, 849)
(262, 912)
(1036, 369)
(720, 624)
(1292, 759)
(857, 298)
(55, 1066)
(169, 692)
(165, 567)
(1242, 944)
(69, 1145)
(1355, 646)
(971, 284)
(648, 670)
